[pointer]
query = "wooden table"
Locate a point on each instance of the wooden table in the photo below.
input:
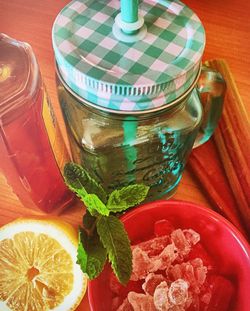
(227, 27)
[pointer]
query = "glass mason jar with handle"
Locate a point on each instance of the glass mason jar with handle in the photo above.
(130, 86)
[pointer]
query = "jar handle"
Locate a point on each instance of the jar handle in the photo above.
(211, 89)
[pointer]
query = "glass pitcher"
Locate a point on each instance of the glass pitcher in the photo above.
(130, 116)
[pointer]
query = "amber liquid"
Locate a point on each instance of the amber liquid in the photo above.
(28, 162)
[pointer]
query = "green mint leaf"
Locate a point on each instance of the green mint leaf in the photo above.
(115, 239)
(72, 178)
(95, 205)
(88, 220)
(82, 256)
(91, 255)
(120, 200)
(77, 178)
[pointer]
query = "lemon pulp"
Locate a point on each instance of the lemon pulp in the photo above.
(37, 272)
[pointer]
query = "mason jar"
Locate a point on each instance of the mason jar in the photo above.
(130, 118)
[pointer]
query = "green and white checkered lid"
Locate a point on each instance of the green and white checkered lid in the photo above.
(143, 74)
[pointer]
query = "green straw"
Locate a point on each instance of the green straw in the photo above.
(129, 11)
(130, 151)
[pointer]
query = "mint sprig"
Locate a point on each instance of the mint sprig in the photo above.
(115, 239)
(88, 221)
(95, 205)
(91, 255)
(79, 181)
(122, 199)
(103, 234)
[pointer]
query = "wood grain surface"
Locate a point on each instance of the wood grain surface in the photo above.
(227, 26)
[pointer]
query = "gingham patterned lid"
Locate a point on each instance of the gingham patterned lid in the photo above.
(135, 76)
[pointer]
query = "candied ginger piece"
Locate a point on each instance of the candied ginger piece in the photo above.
(154, 246)
(175, 272)
(178, 292)
(141, 302)
(125, 306)
(182, 271)
(181, 243)
(161, 297)
(167, 256)
(142, 264)
(192, 236)
(200, 271)
(152, 280)
(194, 272)
(163, 227)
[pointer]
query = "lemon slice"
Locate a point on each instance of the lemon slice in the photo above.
(38, 269)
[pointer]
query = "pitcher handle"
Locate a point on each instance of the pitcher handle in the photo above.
(211, 89)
